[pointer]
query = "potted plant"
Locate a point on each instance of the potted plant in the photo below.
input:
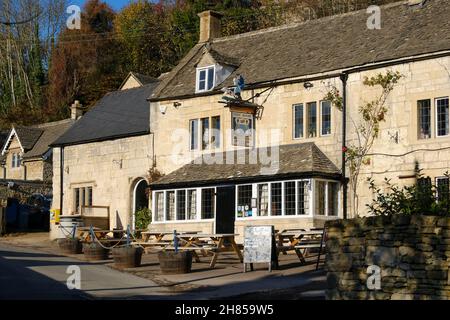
(93, 251)
(70, 245)
(127, 256)
(175, 262)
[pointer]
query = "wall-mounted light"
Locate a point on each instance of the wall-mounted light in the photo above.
(177, 104)
(163, 108)
(308, 85)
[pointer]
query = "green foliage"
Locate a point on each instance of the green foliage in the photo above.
(422, 198)
(143, 218)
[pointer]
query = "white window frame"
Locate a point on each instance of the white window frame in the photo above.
(256, 216)
(198, 213)
(197, 81)
(436, 117)
(327, 213)
(199, 137)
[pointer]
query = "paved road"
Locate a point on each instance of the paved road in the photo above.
(29, 274)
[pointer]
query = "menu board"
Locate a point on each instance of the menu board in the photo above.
(258, 244)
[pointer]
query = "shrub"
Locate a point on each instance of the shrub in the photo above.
(143, 218)
(422, 198)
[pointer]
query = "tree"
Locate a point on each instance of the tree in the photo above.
(85, 63)
(367, 128)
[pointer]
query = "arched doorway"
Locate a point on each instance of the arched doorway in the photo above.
(140, 199)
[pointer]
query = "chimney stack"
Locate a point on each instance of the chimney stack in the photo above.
(76, 110)
(209, 25)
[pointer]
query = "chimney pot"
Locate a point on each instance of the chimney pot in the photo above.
(76, 110)
(210, 27)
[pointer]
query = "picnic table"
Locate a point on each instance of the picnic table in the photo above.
(159, 235)
(212, 244)
(300, 239)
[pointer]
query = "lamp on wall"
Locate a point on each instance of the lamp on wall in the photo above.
(163, 108)
(308, 85)
(177, 104)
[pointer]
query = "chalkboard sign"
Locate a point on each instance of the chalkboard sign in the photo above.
(259, 245)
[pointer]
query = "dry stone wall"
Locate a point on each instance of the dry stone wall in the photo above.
(411, 254)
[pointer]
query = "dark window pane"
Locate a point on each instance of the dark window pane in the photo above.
(208, 205)
(289, 197)
(181, 204)
(312, 119)
(442, 185)
(298, 121)
(210, 78)
(326, 117)
(202, 80)
(442, 117)
(320, 197)
(244, 201)
(276, 199)
(333, 192)
(424, 113)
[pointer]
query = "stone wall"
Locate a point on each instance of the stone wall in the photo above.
(22, 190)
(412, 252)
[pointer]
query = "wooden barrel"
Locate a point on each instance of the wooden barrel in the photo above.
(71, 246)
(95, 252)
(175, 263)
(127, 257)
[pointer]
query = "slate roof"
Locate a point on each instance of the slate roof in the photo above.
(294, 160)
(36, 140)
(322, 45)
(118, 114)
(50, 132)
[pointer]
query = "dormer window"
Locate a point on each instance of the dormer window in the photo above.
(205, 79)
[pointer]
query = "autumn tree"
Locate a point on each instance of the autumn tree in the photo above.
(84, 64)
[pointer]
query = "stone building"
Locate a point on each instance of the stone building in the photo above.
(289, 137)
(101, 164)
(26, 152)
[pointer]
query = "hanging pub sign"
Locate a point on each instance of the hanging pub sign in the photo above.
(259, 246)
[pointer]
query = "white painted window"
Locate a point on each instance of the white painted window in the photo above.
(442, 117)
(82, 197)
(206, 131)
(192, 204)
(205, 79)
(282, 199)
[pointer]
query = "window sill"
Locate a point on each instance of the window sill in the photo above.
(183, 221)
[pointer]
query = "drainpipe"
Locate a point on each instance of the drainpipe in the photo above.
(344, 78)
(61, 180)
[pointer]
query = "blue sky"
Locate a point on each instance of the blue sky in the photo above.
(115, 4)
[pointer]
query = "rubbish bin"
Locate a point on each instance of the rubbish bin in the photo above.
(66, 224)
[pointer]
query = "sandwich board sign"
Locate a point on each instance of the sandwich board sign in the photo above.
(259, 246)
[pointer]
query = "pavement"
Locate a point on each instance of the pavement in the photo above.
(32, 268)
